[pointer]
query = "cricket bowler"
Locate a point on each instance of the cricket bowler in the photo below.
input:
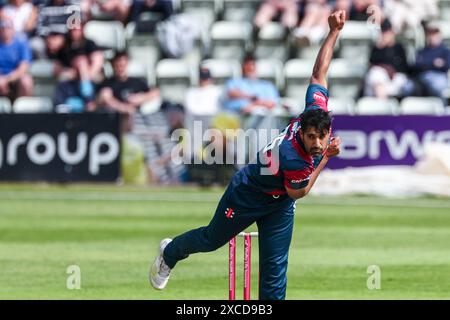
(265, 191)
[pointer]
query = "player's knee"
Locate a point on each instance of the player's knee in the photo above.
(26, 83)
(24, 86)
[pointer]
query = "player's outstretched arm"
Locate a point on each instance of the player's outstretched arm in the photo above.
(336, 22)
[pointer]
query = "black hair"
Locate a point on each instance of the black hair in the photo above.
(119, 54)
(318, 119)
(386, 25)
(204, 73)
(249, 57)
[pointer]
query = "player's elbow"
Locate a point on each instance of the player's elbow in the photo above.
(314, 78)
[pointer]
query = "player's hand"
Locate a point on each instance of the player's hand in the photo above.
(336, 20)
(333, 148)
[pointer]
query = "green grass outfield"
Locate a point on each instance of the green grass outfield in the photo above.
(112, 234)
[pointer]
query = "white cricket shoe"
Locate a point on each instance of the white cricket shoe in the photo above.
(159, 270)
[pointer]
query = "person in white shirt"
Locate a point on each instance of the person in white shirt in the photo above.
(203, 100)
(24, 15)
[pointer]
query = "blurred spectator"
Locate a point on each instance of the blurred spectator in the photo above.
(75, 95)
(177, 36)
(89, 56)
(408, 14)
(249, 92)
(216, 152)
(23, 14)
(49, 47)
(62, 49)
(116, 9)
(432, 65)
(205, 99)
(313, 25)
(15, 58)
(270, 9)
(54, 16)
(122, 93)
(357, 9)
(389, 66)
(133, 165)
(52, 28)
(388, 51)
(162, 9)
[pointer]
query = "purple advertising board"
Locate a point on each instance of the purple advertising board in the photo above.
(386, 140)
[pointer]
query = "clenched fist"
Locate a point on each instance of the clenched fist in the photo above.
(336, 20)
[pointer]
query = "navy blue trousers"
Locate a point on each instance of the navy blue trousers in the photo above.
(275, 220)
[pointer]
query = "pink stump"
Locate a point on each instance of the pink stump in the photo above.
(232, 269)
(247, 265)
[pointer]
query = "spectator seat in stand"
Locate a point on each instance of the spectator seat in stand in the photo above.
(422, 105)
(33, 105)
(376, 106)
(174, 77)
(5, 105)
(230, 39)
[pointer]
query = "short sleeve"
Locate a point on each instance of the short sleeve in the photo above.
(316, 97)
(234, 105)
(139, 85)
(230, 84)
(101, 85)
(276, 94)
(297, 179)
(91, 47)
(25, 52)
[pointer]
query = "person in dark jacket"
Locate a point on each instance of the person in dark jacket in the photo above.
(161, 10)
(387, 75)
(75, 95)
(433, 63)
(388, 51)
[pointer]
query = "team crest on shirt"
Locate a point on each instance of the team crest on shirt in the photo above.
(320, 100)
(229, 213)
(318, 96)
